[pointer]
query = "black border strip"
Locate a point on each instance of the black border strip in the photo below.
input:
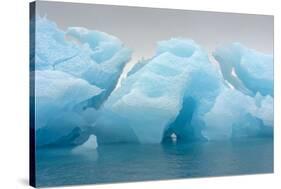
(32, 170)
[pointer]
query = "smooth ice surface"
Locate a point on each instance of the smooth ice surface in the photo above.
(75, 71)
(253, 70)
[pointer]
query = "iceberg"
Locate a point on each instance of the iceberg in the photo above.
(57, 94)
(67, 128)
(107, 56)
(75, 71)
(265, 110)
(149, 100)
(90, 144)
(137, 66)
(236, 115)
(176, 95)
(88, 149)
(57, 91)
(246, 69)
(94, 56)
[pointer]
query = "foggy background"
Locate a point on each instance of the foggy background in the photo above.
(141, 28)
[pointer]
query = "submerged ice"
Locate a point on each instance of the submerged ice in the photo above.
(178, 94)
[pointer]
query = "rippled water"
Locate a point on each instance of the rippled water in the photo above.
(131, 162)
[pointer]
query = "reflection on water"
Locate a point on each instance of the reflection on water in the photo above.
(131, 162)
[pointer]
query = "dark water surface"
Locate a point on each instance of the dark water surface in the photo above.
(131, 162)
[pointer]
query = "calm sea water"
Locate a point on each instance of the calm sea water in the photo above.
(131, 162)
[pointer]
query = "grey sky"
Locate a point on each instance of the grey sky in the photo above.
(141, 28)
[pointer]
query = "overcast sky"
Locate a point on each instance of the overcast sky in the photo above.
(141, 28)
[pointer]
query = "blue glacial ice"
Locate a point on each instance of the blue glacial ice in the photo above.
(94, 56)
(177, 94)
(58, 91)
(246, 69)
(75, 71)
(236, 115)
(161, 96)
(180, 92)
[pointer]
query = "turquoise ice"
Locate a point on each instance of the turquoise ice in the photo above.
(168, 94)
(94, 56)
(75, 71)
(235, 115)
(176, 95)
(179, 92)
(253, 70)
